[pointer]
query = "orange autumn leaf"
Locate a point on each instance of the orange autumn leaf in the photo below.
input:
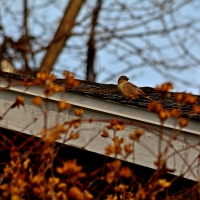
(176, 113)
(155, 107)
(196, 108)
(119, 126)
(75, 193)
(185, 98)
(70, 80)
(4, 187)
(62, 105)
(109, 150)
(163, 183)
(48, 81)
(128, 149)
(88, 196)
(70, 167)
(66, 74)
(54, 180)
(78, 112)
(111, 197)
(74, 135)
(75, 124)
(121, 188)
(37, 101)
(141, 194)
(59, 88)
(165, 87)
(115, 165)
(19, 101)
(105, 133)
(62, 185)
(136, 135)
(164, 114)
(191, 99)
(125, 172)
(110, 177)
(27, 82)
(183, 122)
(43, 76)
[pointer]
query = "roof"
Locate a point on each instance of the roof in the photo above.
(103, 102)
(110, 92)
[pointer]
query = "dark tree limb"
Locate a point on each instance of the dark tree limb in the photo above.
(62, 34)
(91, 52)
(26, 39)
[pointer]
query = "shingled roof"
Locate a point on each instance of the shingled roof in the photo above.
(110, 92)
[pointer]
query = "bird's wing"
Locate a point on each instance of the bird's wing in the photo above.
(133, 89)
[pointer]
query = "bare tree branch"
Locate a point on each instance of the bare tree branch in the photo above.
(62, 34)
(91, 52)
(26, 39)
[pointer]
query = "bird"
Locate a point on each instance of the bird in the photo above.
(129, 90)
(6, 66)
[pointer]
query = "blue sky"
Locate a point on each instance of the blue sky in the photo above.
(106, 61)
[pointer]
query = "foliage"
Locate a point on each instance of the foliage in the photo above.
(32, 171)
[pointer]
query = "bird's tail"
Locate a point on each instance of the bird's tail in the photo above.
(148, 98)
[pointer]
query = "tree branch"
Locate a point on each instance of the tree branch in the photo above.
(62, 34)
(91, 53)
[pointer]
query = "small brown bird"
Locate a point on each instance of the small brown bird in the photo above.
(129, 90)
